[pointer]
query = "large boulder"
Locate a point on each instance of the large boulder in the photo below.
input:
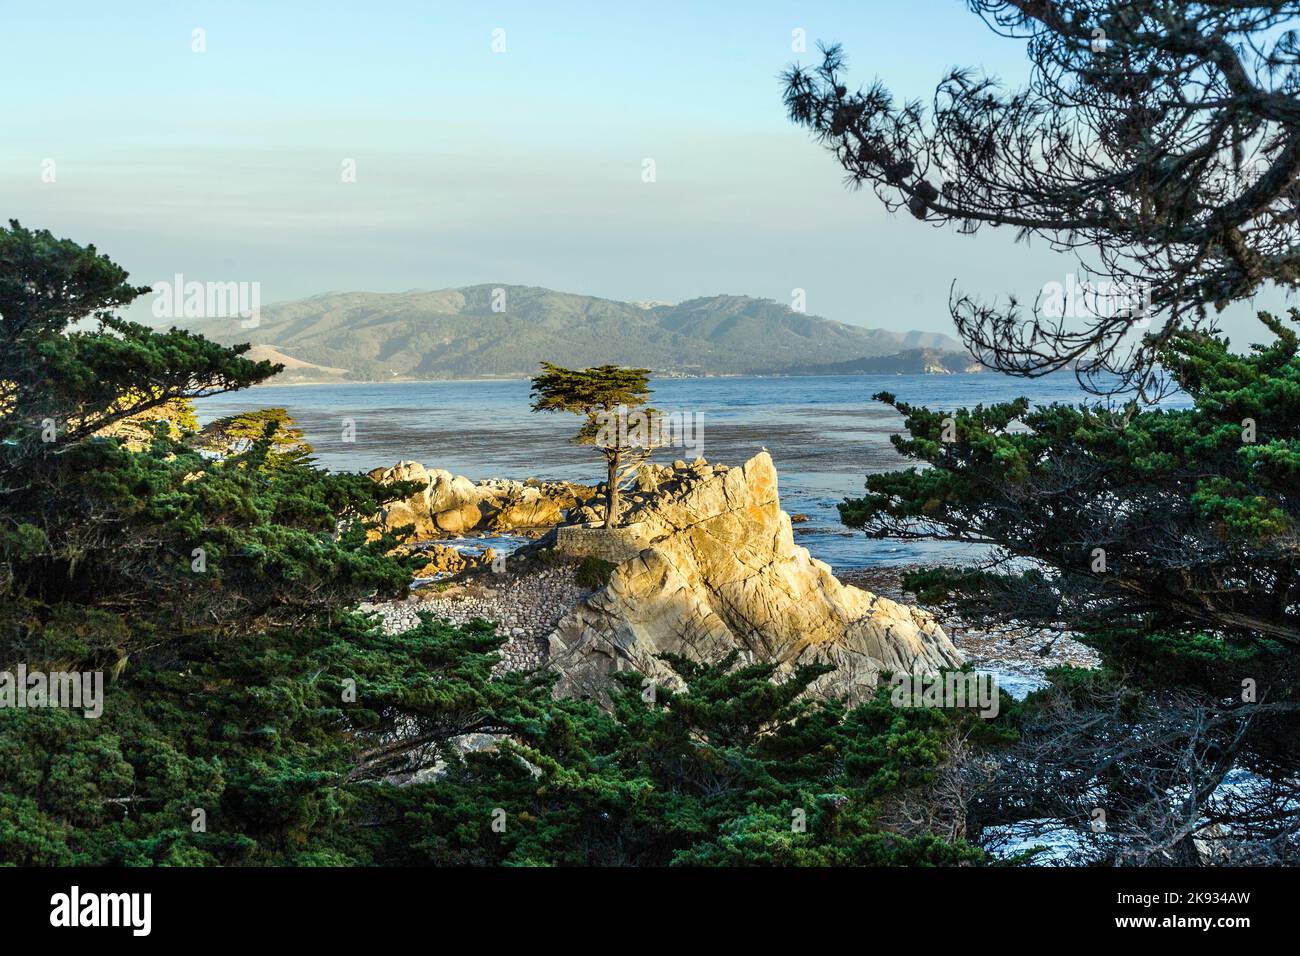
(453, 502)
(716, 569)
(529, 508)
(408, 511)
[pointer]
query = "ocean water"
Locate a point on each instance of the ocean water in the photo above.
(824, 433)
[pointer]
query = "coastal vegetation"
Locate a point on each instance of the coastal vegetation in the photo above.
(254, 714)
(1154, 144)
(1168, 540)
(263, 684)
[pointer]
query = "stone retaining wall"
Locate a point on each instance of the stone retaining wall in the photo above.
(615, 545)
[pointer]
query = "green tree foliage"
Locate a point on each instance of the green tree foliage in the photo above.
(251, 714)
(177, 415)
(1164, 537)
(76, 381)
(213, 596)
(237, 434)
(603, 396)
(735, 769)
(1162, 521)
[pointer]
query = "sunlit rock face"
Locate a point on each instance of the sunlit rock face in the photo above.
(450, 504)
(716, 569)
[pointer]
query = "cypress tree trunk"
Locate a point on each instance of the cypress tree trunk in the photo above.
(611, 489)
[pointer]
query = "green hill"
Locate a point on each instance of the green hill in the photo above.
(455, 333)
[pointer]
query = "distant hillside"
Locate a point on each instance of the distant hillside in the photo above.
(454, 333)
(907, 362)
(296, 370)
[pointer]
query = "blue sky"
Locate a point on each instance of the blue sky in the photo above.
(522, 166)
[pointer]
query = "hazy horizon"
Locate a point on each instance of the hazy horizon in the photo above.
(493, 146)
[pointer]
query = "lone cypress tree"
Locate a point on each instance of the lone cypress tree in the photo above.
(604, 396)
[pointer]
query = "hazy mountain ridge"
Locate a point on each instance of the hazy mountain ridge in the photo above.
(455, 333)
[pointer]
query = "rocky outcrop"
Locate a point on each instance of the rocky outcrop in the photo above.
(441, 561)
(450, 504)
(716, 569)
